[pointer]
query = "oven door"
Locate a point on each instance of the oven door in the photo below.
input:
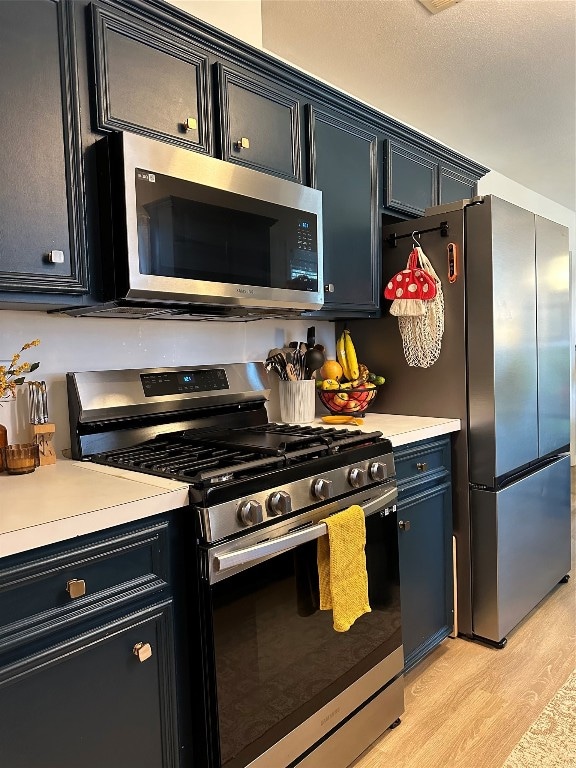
(283, 678)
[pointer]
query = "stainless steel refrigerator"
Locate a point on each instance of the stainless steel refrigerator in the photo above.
(504, 370)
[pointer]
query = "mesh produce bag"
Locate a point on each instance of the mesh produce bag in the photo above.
(422, 334)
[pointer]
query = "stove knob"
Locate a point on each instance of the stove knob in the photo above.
(280, 503)
(250, 513)
(357, 477)
(378, 471)
(322, 489)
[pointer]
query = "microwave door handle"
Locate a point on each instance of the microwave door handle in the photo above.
(291, 540)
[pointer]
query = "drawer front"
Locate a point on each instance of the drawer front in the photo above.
(47, 590)
(422, 462)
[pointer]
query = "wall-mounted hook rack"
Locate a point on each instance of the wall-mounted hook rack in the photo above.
(442, 228)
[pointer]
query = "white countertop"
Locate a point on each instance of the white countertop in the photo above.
(401, 430)
(71, 498)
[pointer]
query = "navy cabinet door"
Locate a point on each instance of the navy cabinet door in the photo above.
(344, 165)
(455, 186)
(411, 180)
(42, 238)
(259, 125)
(150, 82)
(425, 545)
(90, 702)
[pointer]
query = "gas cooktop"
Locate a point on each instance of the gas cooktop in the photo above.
(208, 426)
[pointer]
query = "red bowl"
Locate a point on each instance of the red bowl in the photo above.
(347, 402)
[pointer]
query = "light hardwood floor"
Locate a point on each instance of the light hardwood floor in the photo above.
(466, 705)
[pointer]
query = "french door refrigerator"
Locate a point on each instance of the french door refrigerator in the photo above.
(504, 370)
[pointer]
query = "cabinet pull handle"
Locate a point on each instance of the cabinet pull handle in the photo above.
(190, 124)
(142, 651)
(422, 466)
(404, 525)
(242, 143)
(329, 288)
(76, 588)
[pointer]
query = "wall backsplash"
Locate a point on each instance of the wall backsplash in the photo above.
(83, 344)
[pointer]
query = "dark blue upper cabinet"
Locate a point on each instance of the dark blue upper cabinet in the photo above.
(344, 165)
(42, 236)
(417, 179)
(455, 185)
(411, 180)
(150, 81)
(259, 124)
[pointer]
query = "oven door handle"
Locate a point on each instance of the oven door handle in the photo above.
(290, 540)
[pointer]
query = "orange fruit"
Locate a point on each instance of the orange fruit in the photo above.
(331, 370)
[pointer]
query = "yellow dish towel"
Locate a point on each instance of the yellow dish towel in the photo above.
(342, 567)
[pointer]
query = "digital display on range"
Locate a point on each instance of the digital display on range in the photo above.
(182, 382)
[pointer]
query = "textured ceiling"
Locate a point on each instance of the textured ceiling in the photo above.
(493, 79)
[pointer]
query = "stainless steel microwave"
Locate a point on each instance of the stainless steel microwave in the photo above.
(185, 233)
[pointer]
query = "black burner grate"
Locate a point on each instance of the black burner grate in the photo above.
(230, 456)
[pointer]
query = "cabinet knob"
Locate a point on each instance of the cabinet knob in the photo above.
(242, 143)
(76, 588)
(55, 257)
(421, 466)
(404, 525)
(143, 651)
(190, 123)
(329, 288)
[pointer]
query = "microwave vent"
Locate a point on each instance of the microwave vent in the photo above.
(435, 6)
(150, 311)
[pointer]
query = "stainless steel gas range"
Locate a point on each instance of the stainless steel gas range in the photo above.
(282, 687)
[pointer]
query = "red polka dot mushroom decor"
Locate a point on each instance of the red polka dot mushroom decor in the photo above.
(411, 283)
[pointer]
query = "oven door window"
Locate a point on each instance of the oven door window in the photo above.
(277, 657)
(194, 232)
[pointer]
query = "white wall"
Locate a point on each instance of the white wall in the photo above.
(240, 18)
(86, 344)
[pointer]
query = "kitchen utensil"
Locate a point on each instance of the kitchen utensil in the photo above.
(44, 402)
(299, 360)
(38, 403)
(291, 372)
(277, 363)
(315, 359)
(311, 337)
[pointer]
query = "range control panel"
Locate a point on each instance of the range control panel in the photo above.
(178, 382)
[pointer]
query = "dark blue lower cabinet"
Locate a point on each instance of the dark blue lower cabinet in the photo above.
(426, 585)
(101, 698)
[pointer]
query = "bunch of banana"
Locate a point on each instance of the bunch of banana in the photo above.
(346, 354)
(357, 374)
(346, 372)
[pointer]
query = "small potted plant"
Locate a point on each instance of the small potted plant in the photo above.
(12, 376)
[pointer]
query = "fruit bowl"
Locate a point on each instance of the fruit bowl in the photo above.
(347, 402)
